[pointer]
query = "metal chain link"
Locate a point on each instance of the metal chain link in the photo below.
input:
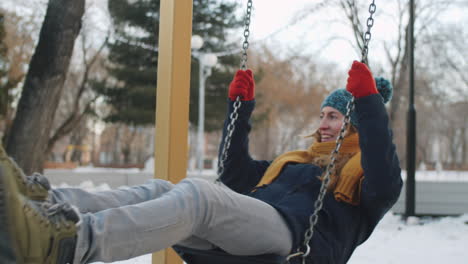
(227, 140)
(367, 35)
(245, 44)
(237, 104)
(323, 188)
(313, 219)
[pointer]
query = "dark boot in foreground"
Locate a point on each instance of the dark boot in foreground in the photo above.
(33, 232)
(35, 187)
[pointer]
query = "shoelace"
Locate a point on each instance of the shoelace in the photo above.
(37, 179)
(31, 182)
(60, 214)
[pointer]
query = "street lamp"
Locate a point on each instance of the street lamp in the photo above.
(410, 208)
(205, 62)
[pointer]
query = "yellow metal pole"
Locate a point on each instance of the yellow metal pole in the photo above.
(173, 88)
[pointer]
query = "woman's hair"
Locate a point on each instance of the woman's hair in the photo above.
(341, 159)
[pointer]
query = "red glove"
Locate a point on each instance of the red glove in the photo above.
(360, 81)
(242, 85)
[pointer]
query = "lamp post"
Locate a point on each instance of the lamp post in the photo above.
(410, 209)
(205, 62)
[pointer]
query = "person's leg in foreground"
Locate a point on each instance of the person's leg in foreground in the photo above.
(192, 211)
(92, 202)
(37, 187)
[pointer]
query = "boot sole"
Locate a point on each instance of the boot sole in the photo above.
(7, 252)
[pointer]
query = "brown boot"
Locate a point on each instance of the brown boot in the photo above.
(35, 187)
(34, 232)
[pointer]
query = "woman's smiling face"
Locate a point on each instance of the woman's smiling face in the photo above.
(331, 121)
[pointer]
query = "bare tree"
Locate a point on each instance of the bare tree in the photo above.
(123, 145)
(80, 106)
(43, 86)
(289, 95)
(427, 37)
(19, 43)
(443, 54)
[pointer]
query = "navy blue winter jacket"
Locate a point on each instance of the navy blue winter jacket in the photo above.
(341, 226)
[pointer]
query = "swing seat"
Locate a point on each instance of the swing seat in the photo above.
(217, 256)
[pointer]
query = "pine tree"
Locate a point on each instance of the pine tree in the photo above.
(133, 58)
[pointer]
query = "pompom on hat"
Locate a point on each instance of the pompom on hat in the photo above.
(339, 98)
(385, 89)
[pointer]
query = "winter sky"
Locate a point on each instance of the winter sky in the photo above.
(282, 25)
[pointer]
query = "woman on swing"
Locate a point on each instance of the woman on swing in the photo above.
(262, 207)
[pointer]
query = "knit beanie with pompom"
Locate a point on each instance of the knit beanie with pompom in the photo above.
(339, 98)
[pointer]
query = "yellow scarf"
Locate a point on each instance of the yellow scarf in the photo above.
(348, 186)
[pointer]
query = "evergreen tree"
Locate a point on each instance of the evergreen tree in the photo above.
(133, 58)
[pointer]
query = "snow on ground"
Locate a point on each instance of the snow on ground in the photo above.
(445, 176)
(432, 241)
(86, 185)
(421, 240)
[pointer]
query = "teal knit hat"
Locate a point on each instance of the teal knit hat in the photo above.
(339, 98)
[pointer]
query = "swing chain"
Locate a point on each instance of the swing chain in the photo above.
(245, 44)
(237, 104)
(367, 34)
(227, 140)
(313, 219)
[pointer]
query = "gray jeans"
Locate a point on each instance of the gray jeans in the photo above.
(128, 222)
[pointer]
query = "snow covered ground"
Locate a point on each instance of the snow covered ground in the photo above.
(421, 240)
